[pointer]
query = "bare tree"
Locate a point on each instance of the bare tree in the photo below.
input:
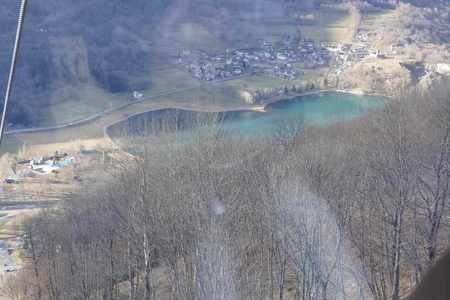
(435, 172)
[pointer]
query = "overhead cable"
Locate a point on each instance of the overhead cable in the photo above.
(23, 9)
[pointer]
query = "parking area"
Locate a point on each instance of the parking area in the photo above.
(7, 263)
(6, 259)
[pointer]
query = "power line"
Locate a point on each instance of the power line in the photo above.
(23, 9)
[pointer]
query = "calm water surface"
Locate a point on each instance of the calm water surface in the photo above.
(318, 108)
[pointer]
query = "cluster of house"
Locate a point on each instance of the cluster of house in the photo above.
(285, 58)
(345, 54)
(279, 59)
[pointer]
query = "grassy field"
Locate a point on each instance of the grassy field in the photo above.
(68, 112)
(251, 83)
(167, 79)
(196, 98)
(369, 21)
(10, 144)
(330, 25)
(336, 24)
(194, 36)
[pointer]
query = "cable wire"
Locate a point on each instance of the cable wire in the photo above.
(23, 9)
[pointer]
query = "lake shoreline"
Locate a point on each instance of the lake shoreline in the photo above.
(254, 108)
(356, 93)
(251, 107)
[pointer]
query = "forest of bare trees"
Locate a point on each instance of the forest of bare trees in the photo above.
(352, 210)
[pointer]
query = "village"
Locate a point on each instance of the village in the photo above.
(286, 58)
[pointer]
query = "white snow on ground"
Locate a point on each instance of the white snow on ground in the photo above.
(48, 166)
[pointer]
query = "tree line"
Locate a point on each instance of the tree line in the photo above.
(356, 209)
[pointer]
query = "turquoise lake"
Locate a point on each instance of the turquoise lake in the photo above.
(318, 108)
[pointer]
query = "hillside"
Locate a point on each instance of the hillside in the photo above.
(354, 209)
(76, 59)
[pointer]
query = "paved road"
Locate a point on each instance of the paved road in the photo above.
(6, 261)
(10, 210)
(100, 114)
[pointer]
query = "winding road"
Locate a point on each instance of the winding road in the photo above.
(103, 113)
